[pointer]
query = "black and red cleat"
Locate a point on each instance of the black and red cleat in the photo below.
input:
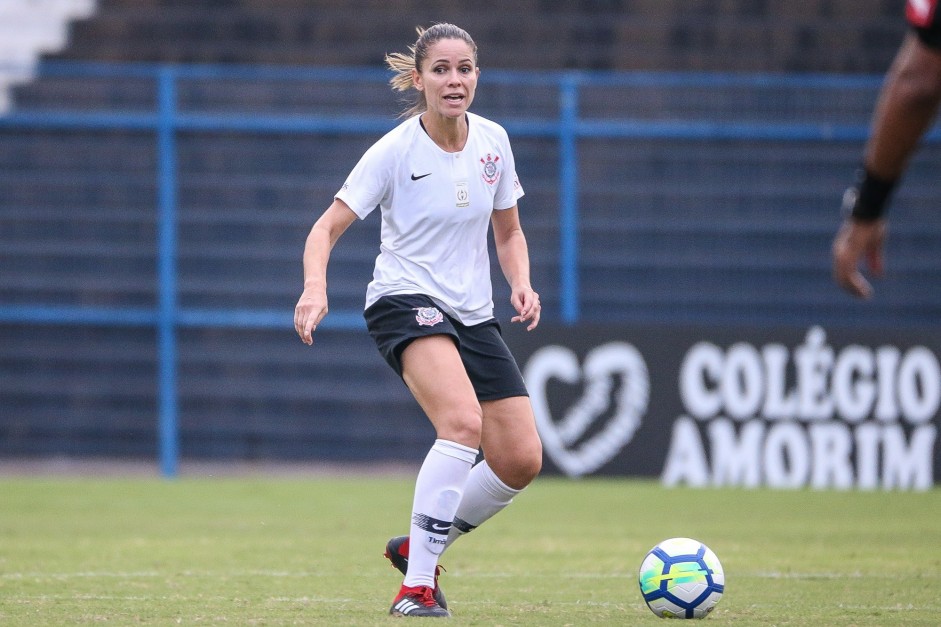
(417, 602)
(397, 553)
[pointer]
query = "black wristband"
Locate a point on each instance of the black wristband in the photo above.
(866, 200)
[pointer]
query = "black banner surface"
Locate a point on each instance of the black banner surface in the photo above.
(787, 408)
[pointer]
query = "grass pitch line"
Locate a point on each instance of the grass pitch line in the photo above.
(183, 573)
(81, 575)
(831, 576)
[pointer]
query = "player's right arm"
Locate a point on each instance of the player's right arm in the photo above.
(312, 305)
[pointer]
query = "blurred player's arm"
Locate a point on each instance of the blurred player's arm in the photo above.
(908, 102)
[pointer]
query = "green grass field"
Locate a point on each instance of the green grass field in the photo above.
(308, 551)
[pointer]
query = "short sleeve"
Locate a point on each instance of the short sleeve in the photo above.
(509, 190)
(369, 181)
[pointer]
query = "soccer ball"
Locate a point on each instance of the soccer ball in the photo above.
(681, 578)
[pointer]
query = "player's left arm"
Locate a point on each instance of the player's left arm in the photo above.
(513, 255)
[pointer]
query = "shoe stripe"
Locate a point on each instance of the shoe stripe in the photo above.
(405, 606)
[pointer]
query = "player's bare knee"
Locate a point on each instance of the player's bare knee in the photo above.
(462, 426)
(519, 469)
(529, 466)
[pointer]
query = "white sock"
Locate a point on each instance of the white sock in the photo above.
(484, 496)
(438, 491)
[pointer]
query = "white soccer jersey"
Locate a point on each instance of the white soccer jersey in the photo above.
(436, 209)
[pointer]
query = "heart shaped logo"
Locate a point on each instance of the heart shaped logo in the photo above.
(616, 390)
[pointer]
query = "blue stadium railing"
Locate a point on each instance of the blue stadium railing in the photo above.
(566, 128)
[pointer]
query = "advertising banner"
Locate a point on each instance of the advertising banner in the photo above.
(699, 406)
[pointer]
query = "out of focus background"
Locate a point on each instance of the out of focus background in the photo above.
(161, 162)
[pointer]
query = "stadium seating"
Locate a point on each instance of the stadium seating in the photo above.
(725, 35)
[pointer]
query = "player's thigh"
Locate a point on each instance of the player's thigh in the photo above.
(511, 441)
(433, 371)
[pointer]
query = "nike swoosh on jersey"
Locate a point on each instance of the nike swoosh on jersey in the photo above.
(420, 176)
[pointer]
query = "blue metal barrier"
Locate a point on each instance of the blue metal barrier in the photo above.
(566, 128)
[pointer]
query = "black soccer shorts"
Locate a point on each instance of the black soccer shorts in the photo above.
(395, 321)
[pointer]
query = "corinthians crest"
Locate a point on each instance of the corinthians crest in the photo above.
(491, 173)
(428, 316)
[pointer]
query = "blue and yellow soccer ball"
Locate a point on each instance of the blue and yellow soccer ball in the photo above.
(681, 578)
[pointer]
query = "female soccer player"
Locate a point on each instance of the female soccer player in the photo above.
(440, 179)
